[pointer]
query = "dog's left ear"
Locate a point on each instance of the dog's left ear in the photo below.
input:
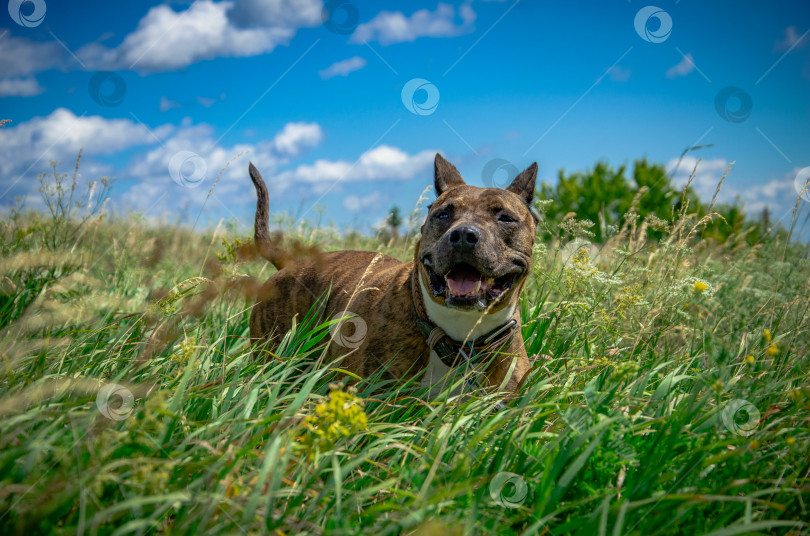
(523, 185)
(445, 175)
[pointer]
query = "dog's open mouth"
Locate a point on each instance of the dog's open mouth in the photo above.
(465, 283)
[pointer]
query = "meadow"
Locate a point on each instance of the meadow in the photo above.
(669, 392)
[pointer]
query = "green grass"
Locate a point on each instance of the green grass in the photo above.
(627, 424)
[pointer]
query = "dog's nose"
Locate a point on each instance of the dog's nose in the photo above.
(464, 237)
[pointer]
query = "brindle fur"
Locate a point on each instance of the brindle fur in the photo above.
(377, 287)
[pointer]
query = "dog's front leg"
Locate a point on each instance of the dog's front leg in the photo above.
(500, 367)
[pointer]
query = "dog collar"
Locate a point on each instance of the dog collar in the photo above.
(451, 352)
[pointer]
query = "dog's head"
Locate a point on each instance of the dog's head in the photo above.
(476, 246)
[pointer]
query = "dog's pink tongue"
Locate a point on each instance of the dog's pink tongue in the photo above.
(463, 281)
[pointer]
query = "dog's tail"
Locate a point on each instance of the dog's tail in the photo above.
(261, 237)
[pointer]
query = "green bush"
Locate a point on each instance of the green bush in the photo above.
(605, 195)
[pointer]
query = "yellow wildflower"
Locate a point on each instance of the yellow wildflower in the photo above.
(749, 359)
(340, 415)
(772, 350)
(767, 334)
(625, 370)
(627, 298)
(578, 270)
(186, 350)
(790, 441)
(700, 287)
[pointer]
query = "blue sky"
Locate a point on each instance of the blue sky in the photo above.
(162, 95)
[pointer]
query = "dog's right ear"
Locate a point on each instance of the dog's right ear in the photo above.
(445, 176)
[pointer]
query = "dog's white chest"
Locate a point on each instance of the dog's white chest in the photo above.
(460, 326)
(438, 375)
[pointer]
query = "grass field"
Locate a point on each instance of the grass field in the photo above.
(669, 395)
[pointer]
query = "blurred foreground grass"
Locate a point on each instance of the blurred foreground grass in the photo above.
(669, 395)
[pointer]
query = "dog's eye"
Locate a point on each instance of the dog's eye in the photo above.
(506, 218)
(443, 215)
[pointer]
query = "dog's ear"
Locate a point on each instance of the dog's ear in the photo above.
(445, 176)
(523, 185)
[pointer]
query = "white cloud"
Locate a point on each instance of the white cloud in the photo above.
(20, 87)
(166, 104)
(684, 67)
(791, 40)
(206, 101)
(268, 155)
(390, 27)
(619, 74)
(209, 101)
(294, 138)
(156, 193)
(343, 68)
(150, 169)
(144, 183)
(60, 135)
(707, 174)
(166, 39)
(778, 194)
(378, 164)
(26, 149)
(356, 203)
(21, 57)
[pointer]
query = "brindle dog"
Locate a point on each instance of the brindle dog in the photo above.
(455, 301)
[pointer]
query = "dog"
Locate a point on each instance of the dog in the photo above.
(454, 306)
